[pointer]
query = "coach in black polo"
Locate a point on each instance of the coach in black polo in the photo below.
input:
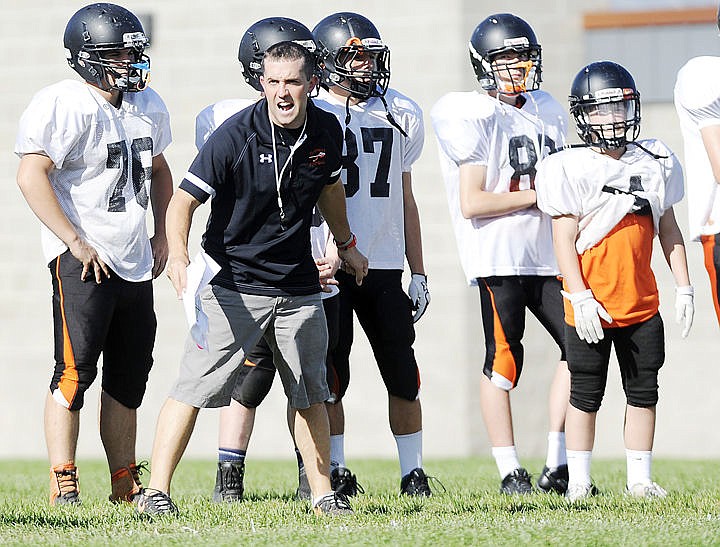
(265, 169)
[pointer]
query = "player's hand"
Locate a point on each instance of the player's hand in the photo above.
(91, 261)
(419, 295)
(684, 308)
(160, 254)
(354, 263)
(588, 313)
(327, 267)
(177, 273)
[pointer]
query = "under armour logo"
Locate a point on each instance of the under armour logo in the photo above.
(265, 158)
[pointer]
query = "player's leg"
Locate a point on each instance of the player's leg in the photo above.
(237, 420)
(711, 252)
(502, 303)
(545, 302)
(588, 364)
(206, 379)
(641, 353)
(81, 316)
(127, 360)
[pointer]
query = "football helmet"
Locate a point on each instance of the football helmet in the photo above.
(265, 33)
(345, 41)
(605, 104)
(501, 34)
(98, 29)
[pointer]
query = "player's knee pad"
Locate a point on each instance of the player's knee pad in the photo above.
(402, 379)
(641, 396)
(586, 404)
(253, 385)
(71, 387)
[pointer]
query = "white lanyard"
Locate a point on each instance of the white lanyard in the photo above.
(278, 176)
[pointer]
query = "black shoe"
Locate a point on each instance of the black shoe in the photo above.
(229, 482)
(303, 490)
(154, 502)
(415, 483)
(344, 482)
(553, 479)
(333, 504)
(516, 482)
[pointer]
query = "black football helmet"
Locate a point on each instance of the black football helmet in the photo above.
(605, 104)
(265, 33)
(343, 38)
(98, 29)
(500, 34)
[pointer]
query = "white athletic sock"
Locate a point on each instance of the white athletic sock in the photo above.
(639, 463)
(337, 451)
(506, 459)
(317, 500)
(409, 451)
(578, 462)
(556, 455)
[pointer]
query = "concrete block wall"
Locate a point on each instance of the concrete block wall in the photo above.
(194, 63)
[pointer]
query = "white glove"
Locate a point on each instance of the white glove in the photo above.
(684, 308)
(419, 295)
(588, 312)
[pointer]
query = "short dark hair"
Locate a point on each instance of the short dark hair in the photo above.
(291, 51)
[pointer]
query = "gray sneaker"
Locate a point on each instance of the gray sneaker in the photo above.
(229, 482)
(651, 490)
(577, 492)
(155, 502)
(333, 504)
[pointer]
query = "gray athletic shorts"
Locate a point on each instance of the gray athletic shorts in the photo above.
(294, 328)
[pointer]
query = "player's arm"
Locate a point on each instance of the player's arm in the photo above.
(711, 139)
(34, 182)
(673, 246)
(476, 202)
(178, 220)
(332, 206)
(413, 235)
(564, 230)
(161, 189)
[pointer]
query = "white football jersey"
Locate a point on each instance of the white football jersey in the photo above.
(212, 117)
(103, 167)
(600, 190)
(376, 156)
(697, 101)
(474, 128)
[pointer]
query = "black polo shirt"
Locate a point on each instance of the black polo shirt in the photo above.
(244, 234)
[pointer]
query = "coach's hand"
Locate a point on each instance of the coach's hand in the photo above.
(160, 253)
(419, 295)
(91, 261)
(355, 263)
(588, 313)
(177, 273)
(684, 308)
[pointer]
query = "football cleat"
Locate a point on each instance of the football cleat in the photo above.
(415, 483)
(553, 479)
(333, 504)
(516, 482)
(125, 483)
(651, 490)
(229, 482)
(344, 482)
(303, 490)
(155, 502)
(64, 484)
(578, 492)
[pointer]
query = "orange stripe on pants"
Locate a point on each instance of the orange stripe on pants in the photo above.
(503, 360)
(68, 384)
(708, 243)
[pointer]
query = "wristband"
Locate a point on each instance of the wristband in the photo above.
(349, 244)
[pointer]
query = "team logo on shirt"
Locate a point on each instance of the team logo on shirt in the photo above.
(265, 158)
(317, 157)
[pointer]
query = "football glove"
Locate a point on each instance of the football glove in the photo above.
(588, 313)
(684, 308)
(419, 295)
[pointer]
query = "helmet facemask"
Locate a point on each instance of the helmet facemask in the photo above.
(609, 120)
(362, 82)
(130, 75)
(523, 74)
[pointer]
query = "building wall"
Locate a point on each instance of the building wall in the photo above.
(194, 63)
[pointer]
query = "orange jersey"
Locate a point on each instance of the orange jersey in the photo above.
(618, 271)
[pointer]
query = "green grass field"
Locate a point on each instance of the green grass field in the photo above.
(470, 512)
